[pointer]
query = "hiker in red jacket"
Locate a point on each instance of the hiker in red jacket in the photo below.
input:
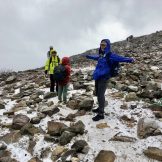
(63, 85)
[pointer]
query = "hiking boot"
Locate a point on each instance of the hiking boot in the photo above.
(59, 101)
(98, 117)
(95, 110)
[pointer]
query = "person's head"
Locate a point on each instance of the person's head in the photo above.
(53, 53)
(51, 48)
(66, 61)
(105, 46)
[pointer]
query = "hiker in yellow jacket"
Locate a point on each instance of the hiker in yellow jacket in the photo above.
(51, 63)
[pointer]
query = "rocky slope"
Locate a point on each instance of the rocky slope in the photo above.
(34, 127)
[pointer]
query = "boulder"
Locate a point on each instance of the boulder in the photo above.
(11, 79)
(55, 128)
(66, 137)
(86, 104)
(154, 153)
(49, 95)
(19, 121)
(147, 127)
(79, 145)
(105, 156)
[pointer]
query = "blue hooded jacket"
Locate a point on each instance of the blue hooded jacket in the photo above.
(103, 68)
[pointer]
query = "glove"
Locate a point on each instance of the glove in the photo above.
(45, 71)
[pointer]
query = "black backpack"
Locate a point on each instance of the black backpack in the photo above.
(59, 73)
(115, 67)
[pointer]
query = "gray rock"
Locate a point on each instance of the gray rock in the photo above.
(50, 110)
(11, 137)
(19, 121)
(2, 106)
(49, 95)
(86, 104)
(35, 120)
(77, 127)
(55, 128)
(79, 145)
(30, 129)
(2, 146)
(131, 97)
(147, 127)
(11, 79)
(66, 137)
(123, 139)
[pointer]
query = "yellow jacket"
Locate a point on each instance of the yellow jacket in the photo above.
(51, 63)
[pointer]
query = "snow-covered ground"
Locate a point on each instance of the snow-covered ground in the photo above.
(98, 139)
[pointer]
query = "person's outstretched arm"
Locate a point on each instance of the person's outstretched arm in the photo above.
(118, 58)
(94, 57)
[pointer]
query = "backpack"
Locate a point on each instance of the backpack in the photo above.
(115, 67)
(59, 73)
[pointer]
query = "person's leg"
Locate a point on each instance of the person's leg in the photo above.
(96, 87)
(60, 90)
(102, 85)
(56, 83)
(52, 83)
(65, 93)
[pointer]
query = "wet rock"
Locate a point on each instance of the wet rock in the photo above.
(147, 127)
(102, 125)
(49, 95)
(154, 153)
(79, 145)
(105, 156)
(86, 104)
(11, 137)
(11, 80)
(131, 97)
(77, 127)
(55, 128)
(66, 137)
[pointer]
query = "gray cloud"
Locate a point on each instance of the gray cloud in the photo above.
(28, 28)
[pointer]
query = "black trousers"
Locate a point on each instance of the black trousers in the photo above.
(54, 84)
(100, 86)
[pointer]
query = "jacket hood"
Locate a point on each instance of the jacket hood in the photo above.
(108, 47)
(65, 61)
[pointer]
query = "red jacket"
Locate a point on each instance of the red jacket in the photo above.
(66, 63)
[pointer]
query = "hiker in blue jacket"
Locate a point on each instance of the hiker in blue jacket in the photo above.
(106, 60)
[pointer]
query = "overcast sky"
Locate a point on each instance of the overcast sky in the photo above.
(29, 27)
